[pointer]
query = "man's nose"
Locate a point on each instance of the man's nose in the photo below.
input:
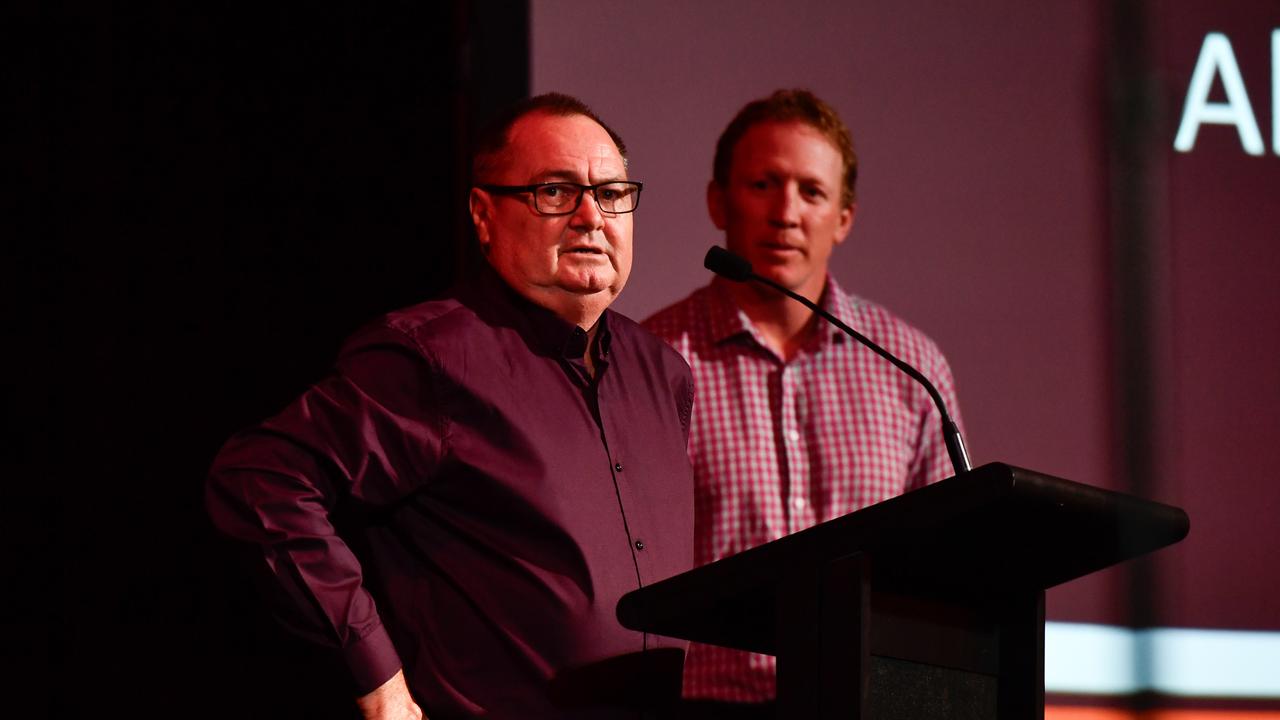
(784, 210)
(588, 216)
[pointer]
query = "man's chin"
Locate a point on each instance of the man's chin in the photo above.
(780, 274)
(591, 296)
(593, 284)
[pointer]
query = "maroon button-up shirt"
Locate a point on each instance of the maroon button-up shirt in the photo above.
(496, 501)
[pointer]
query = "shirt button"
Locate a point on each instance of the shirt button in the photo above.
(794, 435)
(617, 466)
(797, 503)
(639, 544)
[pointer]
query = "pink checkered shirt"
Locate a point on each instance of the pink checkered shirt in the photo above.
(780, 446)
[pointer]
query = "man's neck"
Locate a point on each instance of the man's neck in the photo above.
(783, 323)
(581, 310)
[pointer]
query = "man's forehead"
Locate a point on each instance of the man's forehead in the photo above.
(775, 132)
(771, 140)
(546, 140)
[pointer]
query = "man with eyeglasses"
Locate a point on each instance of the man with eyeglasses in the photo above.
(509, 461)
(796, 423)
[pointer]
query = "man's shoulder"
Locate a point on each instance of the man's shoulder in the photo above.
(428, 315)
(421, 327)
(643, 340)
(889, 330)
(687, 317)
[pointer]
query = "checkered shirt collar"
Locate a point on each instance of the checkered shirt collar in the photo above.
(727, 320)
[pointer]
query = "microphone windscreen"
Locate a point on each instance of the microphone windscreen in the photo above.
(727, 265)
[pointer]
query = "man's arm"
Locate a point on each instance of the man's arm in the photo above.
(364, 434)
(932, 462)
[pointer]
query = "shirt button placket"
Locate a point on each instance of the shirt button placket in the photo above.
(790, 437)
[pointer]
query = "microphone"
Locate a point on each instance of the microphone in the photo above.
(738, 269)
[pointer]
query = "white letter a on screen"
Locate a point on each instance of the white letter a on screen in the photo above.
(1217, 59)
(1275, 91)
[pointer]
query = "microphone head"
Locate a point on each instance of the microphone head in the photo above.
(727, 265)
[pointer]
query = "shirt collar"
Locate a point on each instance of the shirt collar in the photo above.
(843, 306)
(727, 320)
(546, 332)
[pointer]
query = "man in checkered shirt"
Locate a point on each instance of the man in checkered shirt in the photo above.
(795, 423)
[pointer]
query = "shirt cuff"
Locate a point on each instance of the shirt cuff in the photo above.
(372, 660)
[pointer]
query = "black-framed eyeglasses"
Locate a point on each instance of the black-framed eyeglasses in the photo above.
(564, 198)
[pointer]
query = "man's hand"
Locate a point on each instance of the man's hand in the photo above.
(391, 701)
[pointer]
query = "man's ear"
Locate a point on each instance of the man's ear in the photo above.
(846, 222)
(481, 206)
(715, 204)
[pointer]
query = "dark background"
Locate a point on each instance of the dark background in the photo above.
(213, 195)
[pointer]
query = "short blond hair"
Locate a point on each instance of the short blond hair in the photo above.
(796, 105)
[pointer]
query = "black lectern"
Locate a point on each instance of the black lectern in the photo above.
(927, 605)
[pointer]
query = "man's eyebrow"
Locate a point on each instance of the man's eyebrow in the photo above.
(801, 177)
(554, 175)
(573, 176)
